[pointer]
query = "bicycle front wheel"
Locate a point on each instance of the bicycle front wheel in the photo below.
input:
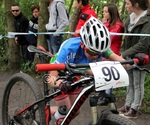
(108, 118)
(21, 91)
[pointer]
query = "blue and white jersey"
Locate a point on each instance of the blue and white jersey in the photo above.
(71, 52)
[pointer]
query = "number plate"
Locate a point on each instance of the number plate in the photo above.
(109, 74)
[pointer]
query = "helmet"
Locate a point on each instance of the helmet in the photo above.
(95, 35)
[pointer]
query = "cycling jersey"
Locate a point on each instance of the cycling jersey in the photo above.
(71, 52)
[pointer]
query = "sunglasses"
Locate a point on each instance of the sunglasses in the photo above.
(90, 52)
(14, 10)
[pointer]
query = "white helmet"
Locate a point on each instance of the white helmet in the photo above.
(95, 35)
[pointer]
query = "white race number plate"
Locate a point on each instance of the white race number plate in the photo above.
(109, 74)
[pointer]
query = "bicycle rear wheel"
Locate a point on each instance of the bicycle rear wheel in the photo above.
(21, 91)
(108, 118)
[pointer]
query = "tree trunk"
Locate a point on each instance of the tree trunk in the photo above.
(73, 21)
(42, 21)
(13, 49)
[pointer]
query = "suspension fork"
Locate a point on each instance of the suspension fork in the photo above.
(93, 105)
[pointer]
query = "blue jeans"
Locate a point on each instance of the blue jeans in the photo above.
(135, 90)
(54, 43)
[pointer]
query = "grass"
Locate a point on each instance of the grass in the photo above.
(120, 94)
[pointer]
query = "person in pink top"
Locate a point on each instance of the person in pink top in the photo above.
(111, 19)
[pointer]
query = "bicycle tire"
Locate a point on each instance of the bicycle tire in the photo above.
(21, 91)
(108, 118)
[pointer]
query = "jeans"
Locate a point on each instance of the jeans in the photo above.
(135, 90)
(54, 43)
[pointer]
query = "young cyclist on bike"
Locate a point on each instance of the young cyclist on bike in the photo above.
(93, 44)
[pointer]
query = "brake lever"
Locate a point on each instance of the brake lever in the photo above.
(60, 78)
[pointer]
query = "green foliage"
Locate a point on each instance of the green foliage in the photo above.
(146, 101)
(3, 54)
(2, 20)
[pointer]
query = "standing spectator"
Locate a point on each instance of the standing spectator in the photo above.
(58, 21)
(21, 25)
(138, 22)
(33, 28)
(85, 13)
(112, 21)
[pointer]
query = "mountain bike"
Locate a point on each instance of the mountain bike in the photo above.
(24, 104)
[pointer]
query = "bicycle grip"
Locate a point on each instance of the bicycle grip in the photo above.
(136, 61)
(145, 60)
(49, 67)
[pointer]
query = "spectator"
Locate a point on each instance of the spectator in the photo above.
(111, 19)
(85, 13)
(58, 21)
(138, 22)
(33, 28)
(79, 50)
(21, 25)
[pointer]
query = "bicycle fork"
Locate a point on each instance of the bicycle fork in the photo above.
(94, 112)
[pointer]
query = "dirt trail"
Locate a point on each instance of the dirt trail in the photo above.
(81, 119)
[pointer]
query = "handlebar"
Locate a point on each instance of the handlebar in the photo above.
(51, 67)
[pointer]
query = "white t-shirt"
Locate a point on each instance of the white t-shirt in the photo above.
(134, 20)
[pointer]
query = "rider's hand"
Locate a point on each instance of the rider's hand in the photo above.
(143, 58)
(65, 86)
(51, 80)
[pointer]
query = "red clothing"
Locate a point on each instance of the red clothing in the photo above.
(86, 13)
(116, 41)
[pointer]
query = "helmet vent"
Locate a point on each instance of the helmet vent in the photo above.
(102, 45)
(94, 29)
(98, 25)
(107, 40)
(88, 28)
(91, 22)
(105, 31)
(102, 34)
(97, 43)
(90, 40)
(85, 39)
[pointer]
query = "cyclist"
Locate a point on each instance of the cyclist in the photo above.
(93, 44)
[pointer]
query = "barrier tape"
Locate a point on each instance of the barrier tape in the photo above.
(12, 34)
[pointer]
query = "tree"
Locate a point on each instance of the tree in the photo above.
(73, 21)
(43, 19)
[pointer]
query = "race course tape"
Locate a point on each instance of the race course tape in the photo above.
(13, 34)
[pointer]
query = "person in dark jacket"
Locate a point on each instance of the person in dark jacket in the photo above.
(21, 25)
(137, 23)
(33, 28)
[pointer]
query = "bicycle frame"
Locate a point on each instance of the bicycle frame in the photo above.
(83, 95)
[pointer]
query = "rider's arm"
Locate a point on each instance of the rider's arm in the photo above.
(115, 57)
